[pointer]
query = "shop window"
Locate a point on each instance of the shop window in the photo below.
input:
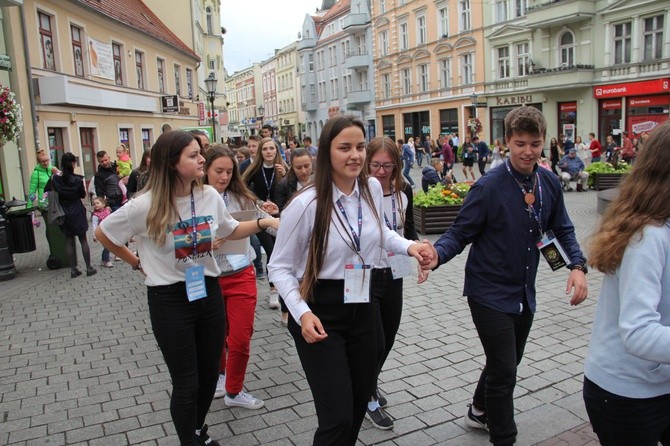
(388, 125)
(56, 146)
(449, 121)
(567, 119)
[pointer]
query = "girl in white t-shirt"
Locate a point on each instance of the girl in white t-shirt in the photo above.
(177, 223)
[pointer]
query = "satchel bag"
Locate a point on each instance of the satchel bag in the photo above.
(55, 213)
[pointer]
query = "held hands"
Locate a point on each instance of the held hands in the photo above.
(311, 327)
(577, 281)
(423, 275)
(424, 252)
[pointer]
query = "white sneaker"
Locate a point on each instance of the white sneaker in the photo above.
(108, 265)
(245, 400)
(220, 387)
(274, 300)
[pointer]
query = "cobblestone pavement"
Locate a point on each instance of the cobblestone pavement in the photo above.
(79, 364)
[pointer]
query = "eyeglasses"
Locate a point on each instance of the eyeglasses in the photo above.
(386, 166)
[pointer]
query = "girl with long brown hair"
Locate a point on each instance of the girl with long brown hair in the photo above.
(177, 223)
(627, 369)
(338, 222)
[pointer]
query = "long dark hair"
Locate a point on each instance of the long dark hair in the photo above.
(163, 178)
(323, 185)
(67, 162)
(295, 153)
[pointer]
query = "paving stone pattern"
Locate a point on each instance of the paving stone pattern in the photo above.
(79, 364)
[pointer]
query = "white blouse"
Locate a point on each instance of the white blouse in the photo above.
(289, 256)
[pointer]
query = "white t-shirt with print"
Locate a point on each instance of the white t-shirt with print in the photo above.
(165, 265)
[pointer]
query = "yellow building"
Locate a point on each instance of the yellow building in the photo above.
(429, 66)
(101, 74)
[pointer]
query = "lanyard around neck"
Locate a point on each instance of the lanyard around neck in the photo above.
(393, 227)
(537, 215)
(268, 185)
(194, 226)
(355, 237)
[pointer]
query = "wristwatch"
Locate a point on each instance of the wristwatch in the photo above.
(579, 266)
(138, 266)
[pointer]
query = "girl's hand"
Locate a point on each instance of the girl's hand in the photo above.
(218, 242)
(280, 168)
(270, 208)
(423, 275)
(311, 328)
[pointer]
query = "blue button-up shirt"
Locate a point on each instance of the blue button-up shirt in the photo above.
(502, 264)
(571, 165)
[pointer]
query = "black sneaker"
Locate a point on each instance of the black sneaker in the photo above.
(379, 419)
(475, 421)
(381, 399)
(204, 439)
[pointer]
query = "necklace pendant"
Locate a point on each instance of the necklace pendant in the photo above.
(529, 198)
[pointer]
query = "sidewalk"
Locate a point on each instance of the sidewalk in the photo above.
(79, 364)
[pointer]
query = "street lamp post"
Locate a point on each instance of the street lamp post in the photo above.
(261, 113)
(473, 98)
(210, 83)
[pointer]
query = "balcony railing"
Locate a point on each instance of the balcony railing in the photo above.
(359, 97)
(358, 59)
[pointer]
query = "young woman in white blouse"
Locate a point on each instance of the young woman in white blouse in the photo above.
(327, 291)
(176, 224)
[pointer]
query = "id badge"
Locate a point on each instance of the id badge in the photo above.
(552, 251)
(357, 283)
(238, 261)
(400, 265)
(195, 283)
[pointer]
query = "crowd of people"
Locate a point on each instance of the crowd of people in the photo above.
(336, 223)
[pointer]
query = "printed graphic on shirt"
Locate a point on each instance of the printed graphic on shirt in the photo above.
(183, 238)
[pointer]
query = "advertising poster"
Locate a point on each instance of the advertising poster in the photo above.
(102, 61)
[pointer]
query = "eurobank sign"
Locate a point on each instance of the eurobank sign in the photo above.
(632, 89)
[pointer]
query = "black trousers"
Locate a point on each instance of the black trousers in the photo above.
(482, 166)
(622, 421)
(503, 337)
(341, 369)
(190, 336)
(387, 304)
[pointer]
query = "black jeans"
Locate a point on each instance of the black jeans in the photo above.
(503, 337)
(621, 421)
(386, 294)
(190, 336)
(341, 369)
(482, 165)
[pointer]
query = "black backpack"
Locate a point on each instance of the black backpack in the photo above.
(112, 190)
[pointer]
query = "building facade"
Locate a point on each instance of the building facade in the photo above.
(334, 63)
(429, 66)
(590, 66)
(205, 38)
(289, 122)
(105, 75)
(245, 96)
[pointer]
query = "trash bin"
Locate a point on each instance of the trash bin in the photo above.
(20, 232)
(56, 239)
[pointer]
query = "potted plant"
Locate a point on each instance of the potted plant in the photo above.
(436, 210)
(603, 175)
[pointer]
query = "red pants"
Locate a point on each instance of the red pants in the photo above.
(239, 297)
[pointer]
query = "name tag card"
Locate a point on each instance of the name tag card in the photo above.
(400, 265)
(357, 283)
(552, 251)
(195, 283)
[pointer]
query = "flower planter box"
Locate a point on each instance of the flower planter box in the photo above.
(602, 181)
(435, 219)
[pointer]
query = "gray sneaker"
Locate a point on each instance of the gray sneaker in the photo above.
(245, 400)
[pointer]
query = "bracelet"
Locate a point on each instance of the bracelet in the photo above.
(258, 223)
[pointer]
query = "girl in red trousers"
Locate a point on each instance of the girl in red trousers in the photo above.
(237, 281)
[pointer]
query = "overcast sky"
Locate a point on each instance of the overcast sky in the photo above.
(255, 28)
